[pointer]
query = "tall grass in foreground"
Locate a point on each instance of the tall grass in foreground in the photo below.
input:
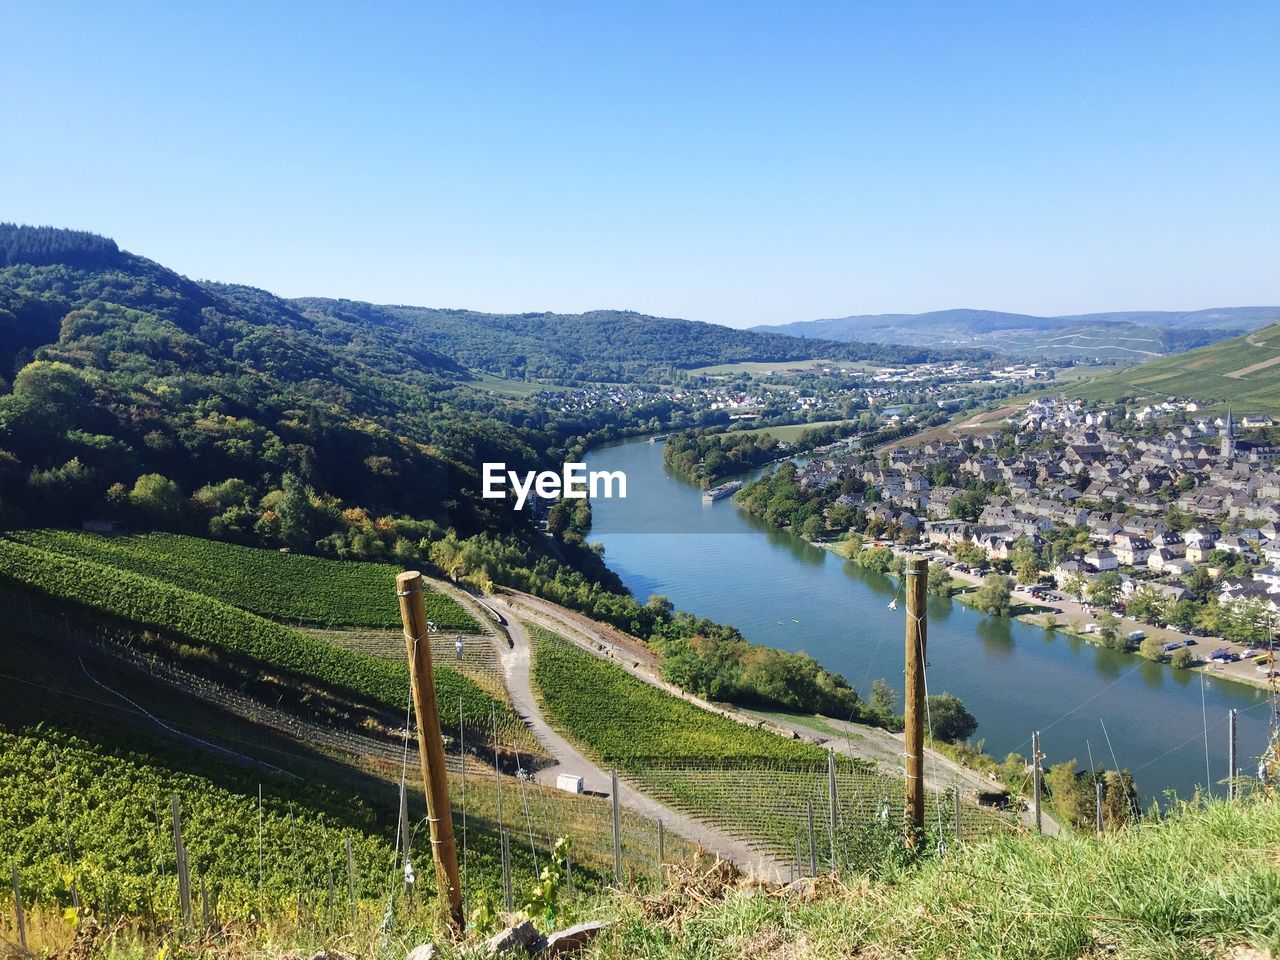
(1198, 884)
(1188, 886)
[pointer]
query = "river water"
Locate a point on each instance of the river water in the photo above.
(717, 561)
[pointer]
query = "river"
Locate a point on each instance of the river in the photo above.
(718, 561)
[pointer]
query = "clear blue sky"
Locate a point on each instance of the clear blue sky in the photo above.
(741, 163)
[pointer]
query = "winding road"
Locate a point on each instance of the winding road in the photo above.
(516, 660)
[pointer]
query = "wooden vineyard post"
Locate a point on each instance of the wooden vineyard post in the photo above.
(662, 851)
(180, 858)
(813, 847)
(917, 585)
(17, 907)
(617, 830)
(832, 806)
(413, 615)
(351, 879)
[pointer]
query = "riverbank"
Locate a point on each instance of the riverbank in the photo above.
(1078, 615)
(722, 563)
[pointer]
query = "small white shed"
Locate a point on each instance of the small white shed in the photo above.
(569, 782)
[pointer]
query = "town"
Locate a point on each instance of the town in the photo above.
(1157, 512)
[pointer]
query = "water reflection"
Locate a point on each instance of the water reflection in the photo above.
(996, 634)
(1152, 675)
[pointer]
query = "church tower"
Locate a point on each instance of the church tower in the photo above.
(1228, 439)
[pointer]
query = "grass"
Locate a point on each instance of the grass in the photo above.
(509, 388)
(790, 432)
(1190, 886)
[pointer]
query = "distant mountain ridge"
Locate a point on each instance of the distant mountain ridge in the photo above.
(1131, 334)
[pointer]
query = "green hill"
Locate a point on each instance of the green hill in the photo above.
(1243, 371)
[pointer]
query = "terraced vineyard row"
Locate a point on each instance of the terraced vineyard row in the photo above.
(769, 804)
(157, 605)
(70, 809)
(292, 588)
(629, 724)
(478, 653)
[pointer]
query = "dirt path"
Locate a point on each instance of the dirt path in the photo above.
(1252, 368)
(516, 663)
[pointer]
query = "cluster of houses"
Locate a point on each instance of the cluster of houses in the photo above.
(1062, 464)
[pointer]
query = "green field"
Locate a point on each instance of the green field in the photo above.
(292, 588)
(1243, 371)
(791, 431)
(509, 388)
(779, 367)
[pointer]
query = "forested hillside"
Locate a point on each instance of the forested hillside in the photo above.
(603, 345)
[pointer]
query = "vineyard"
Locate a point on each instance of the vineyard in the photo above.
(747, 781)
(628, 723)
(155, 605)
(73, 812)
(292, 588)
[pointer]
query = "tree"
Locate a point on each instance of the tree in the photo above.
(1199, 583)
(967, 505)
(950, 718)
(1076, 585)
(1182, 658)
(883, 698)
(1105, 589)
(159, 500)
(1183, 614)
(1026, 561)
(1109, 631)
(1151, 649)
(813, 528)
(297, 517)
(995, 595)
(939, 581)
(1070, 794)
(661, 607)
(1147, 606)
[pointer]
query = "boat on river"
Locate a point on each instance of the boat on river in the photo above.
(720, 492)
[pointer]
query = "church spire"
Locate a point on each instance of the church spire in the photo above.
(1228, 443)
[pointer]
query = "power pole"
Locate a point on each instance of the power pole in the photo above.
(444, 851)
(1035, 778)
(917, 586)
